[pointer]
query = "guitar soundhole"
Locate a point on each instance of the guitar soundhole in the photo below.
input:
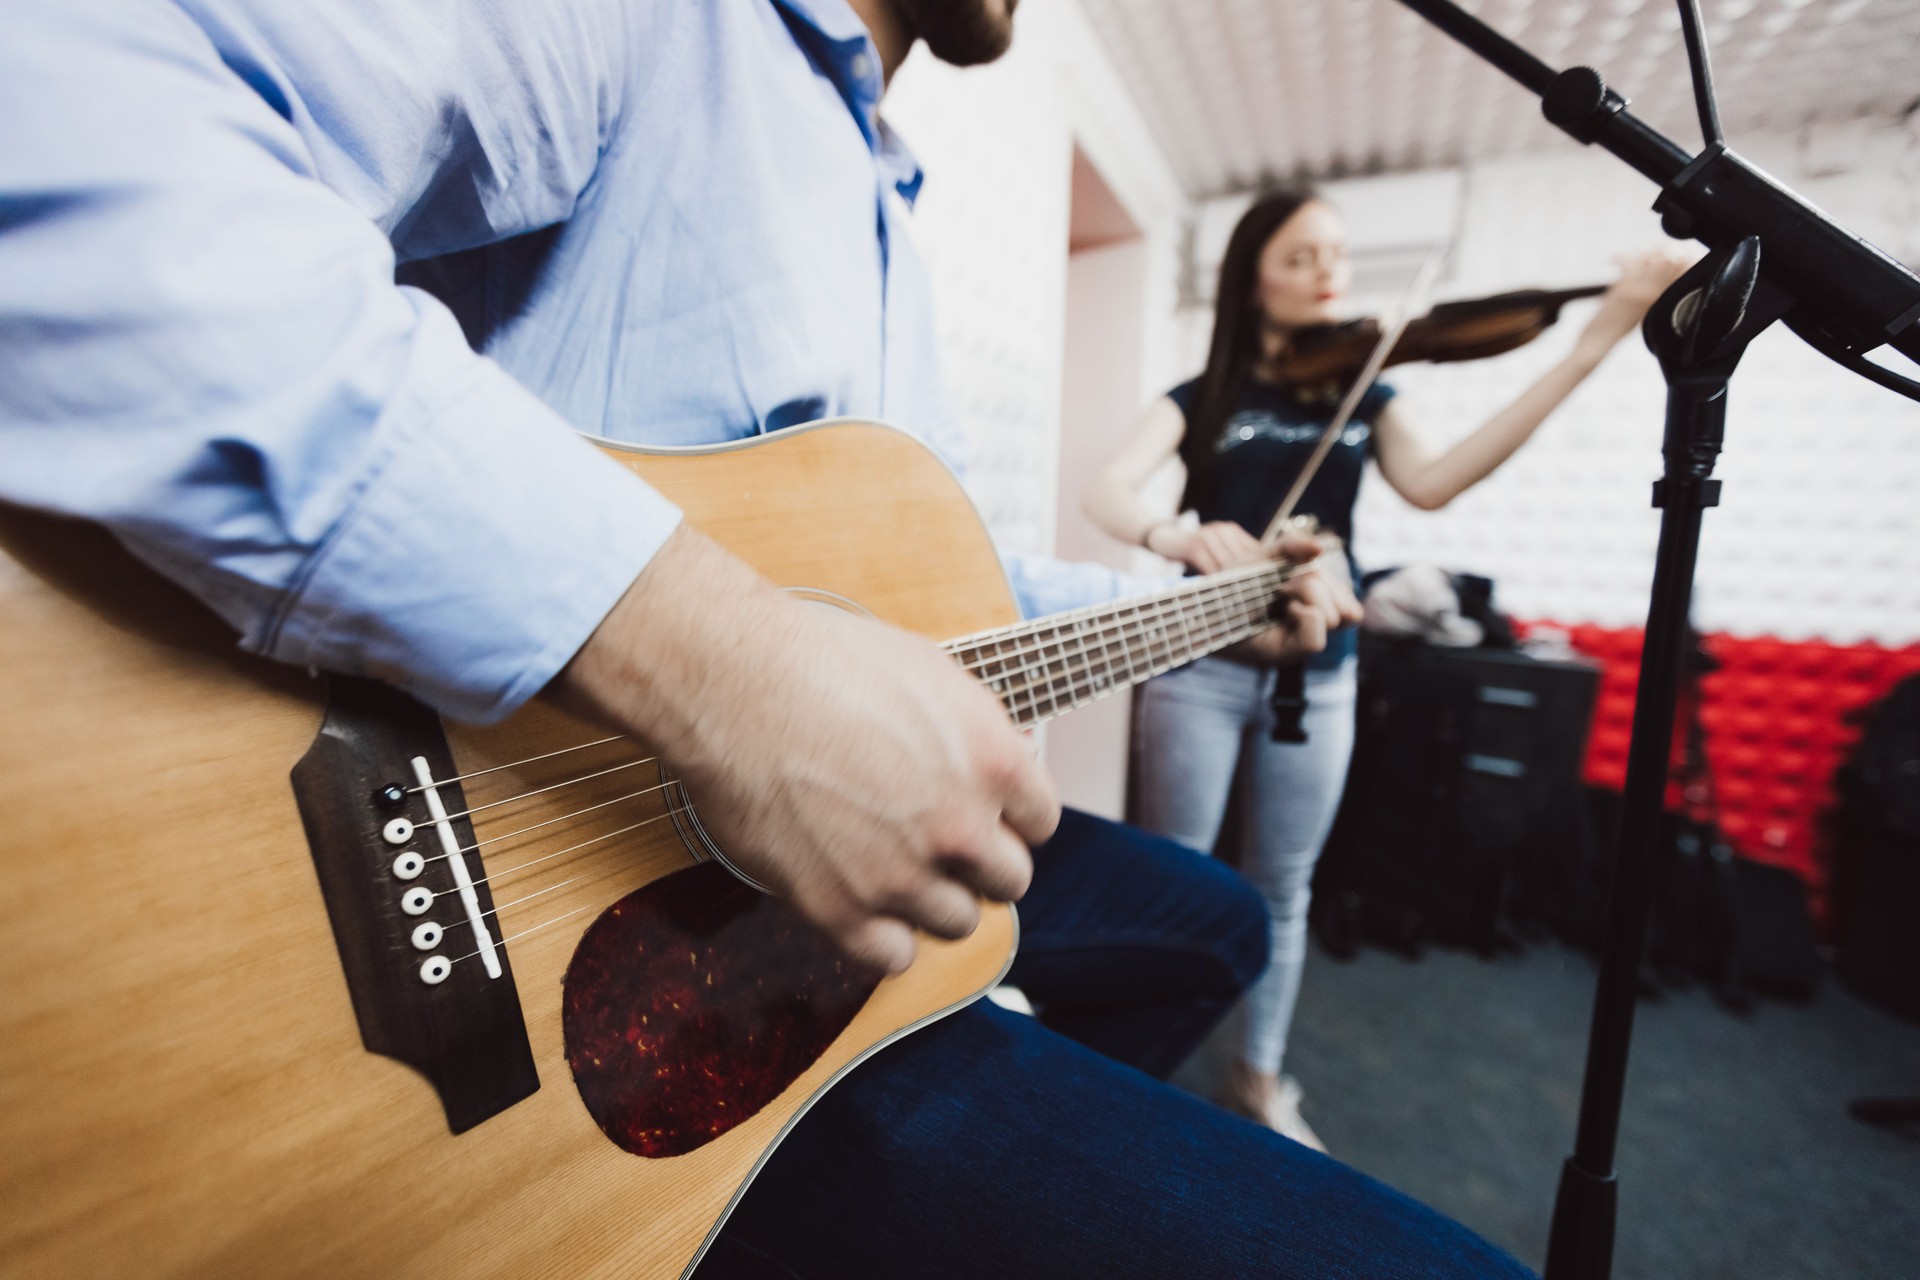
(692, 1003)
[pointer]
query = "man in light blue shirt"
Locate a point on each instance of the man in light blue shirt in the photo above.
(671, 221)
(703, 183)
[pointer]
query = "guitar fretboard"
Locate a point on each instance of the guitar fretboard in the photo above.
(1043, 668)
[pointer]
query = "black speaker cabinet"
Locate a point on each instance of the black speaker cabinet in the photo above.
(1464, 798)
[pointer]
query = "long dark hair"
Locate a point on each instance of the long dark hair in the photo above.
(1236, 329)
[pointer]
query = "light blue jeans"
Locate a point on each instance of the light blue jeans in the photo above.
(1204, 731)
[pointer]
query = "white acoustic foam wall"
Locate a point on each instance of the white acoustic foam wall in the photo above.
(1818, 534)
(1238, 90)
(992, 222)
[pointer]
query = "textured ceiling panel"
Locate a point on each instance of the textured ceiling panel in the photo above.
(1243, 90)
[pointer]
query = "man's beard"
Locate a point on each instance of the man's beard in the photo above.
(965, 33)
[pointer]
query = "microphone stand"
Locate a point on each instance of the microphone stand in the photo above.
(1771, 256)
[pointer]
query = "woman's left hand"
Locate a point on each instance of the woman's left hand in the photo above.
(1643, 278)
(1315, 603)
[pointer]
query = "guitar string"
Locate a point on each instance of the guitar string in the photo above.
(525, 897)
(467, 921)
(585, 777)
(1108, 637)
(1160, 598)
(1230, 637)
(1073, 692)
(1146, 621)
(514, 764)
(1094, 684)
(559, 853)
(1142, 620)
(1130, 628)
(1059, 695)
(1218, 609)
(1139, 616)
(1160, 610)
(1178, 589)
(508, 835)
(524, 932)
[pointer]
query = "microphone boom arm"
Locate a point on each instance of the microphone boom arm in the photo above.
(1849, 296)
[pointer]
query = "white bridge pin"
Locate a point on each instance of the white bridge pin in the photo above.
(399, 831)
(416, 900)
(408, 865)
(435, 970)
(427, 935)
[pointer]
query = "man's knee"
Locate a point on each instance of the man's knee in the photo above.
(1211, 904)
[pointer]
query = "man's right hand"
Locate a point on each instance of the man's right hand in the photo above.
(852, 767)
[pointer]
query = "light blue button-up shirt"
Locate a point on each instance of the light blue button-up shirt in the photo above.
(663, 221)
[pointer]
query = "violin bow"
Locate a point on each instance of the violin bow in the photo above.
(1403, 316)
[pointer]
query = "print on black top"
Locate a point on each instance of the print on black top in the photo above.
(1258, 456)
(1259, 453)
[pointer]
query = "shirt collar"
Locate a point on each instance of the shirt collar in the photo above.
(836, 38)
(899, 164)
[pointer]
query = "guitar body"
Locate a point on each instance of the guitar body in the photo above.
(185, 1083)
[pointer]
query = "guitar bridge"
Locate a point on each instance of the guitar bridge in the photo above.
(414, 924)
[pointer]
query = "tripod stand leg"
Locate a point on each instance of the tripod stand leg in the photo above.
(1580, 1246)
(1699, 330)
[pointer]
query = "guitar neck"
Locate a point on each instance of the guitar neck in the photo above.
(1049, 666)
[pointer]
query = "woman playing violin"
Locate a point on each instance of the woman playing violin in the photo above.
(1243, 433)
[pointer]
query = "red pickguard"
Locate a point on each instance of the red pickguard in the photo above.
(693, 1002)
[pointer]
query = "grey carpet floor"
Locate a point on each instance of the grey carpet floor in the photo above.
(1456, 1079)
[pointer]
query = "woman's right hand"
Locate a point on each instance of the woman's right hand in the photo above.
(1210, 548)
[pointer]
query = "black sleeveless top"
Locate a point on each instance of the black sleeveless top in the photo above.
(1260, 451)
(1257, 457)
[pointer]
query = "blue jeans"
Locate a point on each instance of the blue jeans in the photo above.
(1207, 729)
(989, 1146)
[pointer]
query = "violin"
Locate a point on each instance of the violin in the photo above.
(1323, 359)
(1325, 363)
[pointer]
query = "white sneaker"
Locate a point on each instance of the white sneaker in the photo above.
(1283, 1116)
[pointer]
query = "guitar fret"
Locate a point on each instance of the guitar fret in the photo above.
(1236, 610)
(1043, 668)
(1049, 647)
(1028, 663)
(1087, 664)
(1221, 621)
(1186, 634)
(1126, 648)
(1002, 682)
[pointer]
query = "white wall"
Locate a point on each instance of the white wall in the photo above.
(997, 144)
(992, 221)
(1104, 329)
(1818, 534)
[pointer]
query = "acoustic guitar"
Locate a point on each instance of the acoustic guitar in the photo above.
(300, 981)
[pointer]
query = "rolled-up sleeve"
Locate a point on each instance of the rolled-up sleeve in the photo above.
(1047, 584)
(202, 347)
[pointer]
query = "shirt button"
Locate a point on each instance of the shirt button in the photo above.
(862, 66)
